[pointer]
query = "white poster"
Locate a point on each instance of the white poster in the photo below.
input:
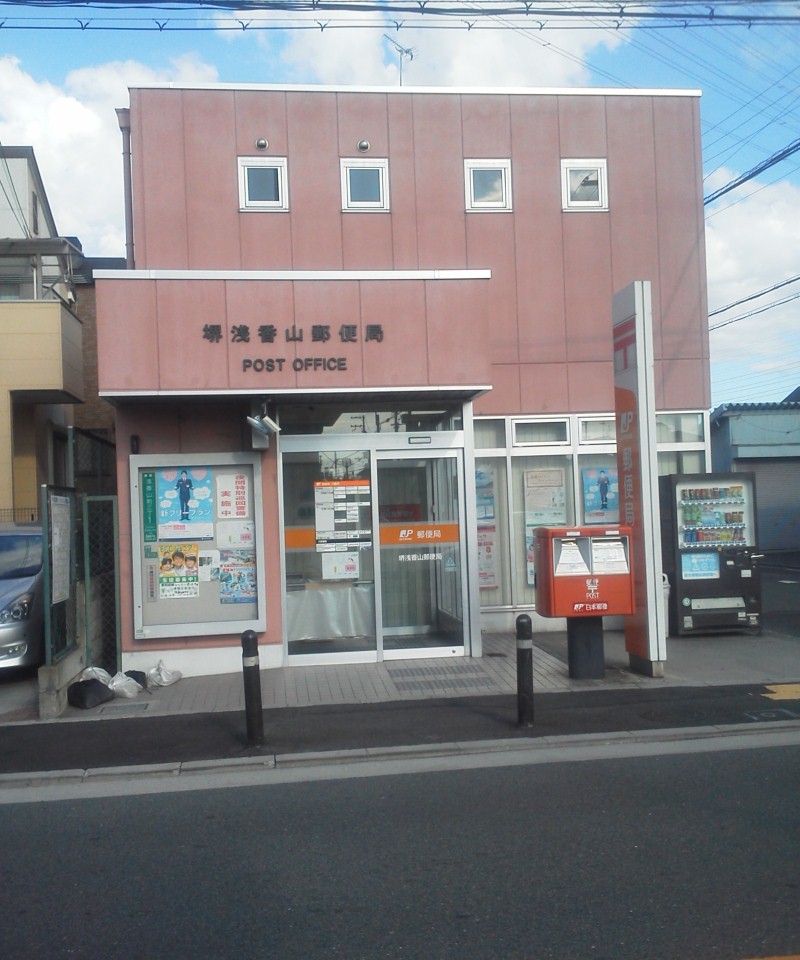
(340, 566)
(233, 496)
(545, 505)
(487, 573)
(60, 542)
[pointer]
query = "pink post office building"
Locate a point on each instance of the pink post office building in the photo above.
(363, 348)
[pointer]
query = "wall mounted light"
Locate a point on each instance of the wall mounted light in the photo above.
(262, 143)
(363, 146)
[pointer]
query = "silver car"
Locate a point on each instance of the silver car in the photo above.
(21, 596)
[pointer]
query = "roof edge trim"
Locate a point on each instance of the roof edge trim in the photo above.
(293, 275)
(462, 91)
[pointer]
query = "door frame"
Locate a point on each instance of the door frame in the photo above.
(385, 446)
(420, 653)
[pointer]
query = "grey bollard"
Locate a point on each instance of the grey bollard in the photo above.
(254, 715)
(524, 671)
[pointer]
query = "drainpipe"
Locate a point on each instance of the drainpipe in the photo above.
(124, 120)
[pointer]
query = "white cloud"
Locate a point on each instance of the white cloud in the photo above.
(752, 245)
(74, 133)
(477, 57)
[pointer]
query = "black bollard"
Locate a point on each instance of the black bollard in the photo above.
(524, 671)
(251, 671)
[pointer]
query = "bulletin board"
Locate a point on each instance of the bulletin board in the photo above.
(198, 544)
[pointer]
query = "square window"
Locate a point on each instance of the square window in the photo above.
(487, 184)
(365, 184)
(262, 183)
(584, 185)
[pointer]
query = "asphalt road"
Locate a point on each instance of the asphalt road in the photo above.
(780, 598)
(665, 857)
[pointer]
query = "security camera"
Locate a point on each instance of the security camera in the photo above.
(264, 424)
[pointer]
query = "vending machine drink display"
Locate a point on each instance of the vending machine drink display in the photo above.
(709, 552)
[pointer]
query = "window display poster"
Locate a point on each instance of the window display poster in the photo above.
(545, 505)
(178, 570)
(545, 497)
(487, 572)
(185, 503)
(237, 576)
(340, 566)
(600, 495)
(341, 513)
(484, 487)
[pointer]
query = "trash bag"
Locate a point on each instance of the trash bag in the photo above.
(139, 676)
(96, 673)
(124, 686)
(160, 676)
(88, 693)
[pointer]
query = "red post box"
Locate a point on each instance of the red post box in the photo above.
(583, 571)
(584, 574)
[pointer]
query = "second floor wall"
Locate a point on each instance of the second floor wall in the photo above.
(565, 196)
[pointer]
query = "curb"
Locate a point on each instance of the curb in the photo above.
(288, 761)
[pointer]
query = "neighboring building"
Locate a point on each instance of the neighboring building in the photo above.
(764, 438)
(93, 453)
(41, 361)
(416, 286)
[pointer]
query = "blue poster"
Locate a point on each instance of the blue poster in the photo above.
(185, 503)
(600, 495)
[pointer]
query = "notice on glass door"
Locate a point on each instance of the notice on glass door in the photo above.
(342, 512)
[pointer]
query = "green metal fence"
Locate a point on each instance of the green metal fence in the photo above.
(101, 581)
(81, 551)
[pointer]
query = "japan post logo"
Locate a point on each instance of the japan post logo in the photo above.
(406, 534)
(626, 423)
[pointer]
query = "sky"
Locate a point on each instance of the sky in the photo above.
(63, 73)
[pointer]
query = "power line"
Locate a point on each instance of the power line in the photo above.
(754, 296)
(754, 313)
(419, 14)
(787, 151)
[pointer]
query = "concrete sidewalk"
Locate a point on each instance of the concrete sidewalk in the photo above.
(729, 659)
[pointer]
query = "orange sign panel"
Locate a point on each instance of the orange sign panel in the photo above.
(418, 534)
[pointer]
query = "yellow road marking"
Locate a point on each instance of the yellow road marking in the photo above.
(783, 691)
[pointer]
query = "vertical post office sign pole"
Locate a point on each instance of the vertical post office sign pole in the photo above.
(637, 467)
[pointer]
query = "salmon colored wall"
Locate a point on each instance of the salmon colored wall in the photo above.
(434, 334)
(553, 272)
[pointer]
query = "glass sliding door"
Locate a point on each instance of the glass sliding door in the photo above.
(328, 554)
(422, 568)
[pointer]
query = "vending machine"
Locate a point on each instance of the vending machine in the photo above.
(709, 552)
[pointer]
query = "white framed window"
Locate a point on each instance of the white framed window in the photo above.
(487, 184)
(584, 185)
(365, 184)
(526, 433)
(597, 430)
(263, 183)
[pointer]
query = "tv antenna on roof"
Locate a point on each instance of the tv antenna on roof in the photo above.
(403, 52)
